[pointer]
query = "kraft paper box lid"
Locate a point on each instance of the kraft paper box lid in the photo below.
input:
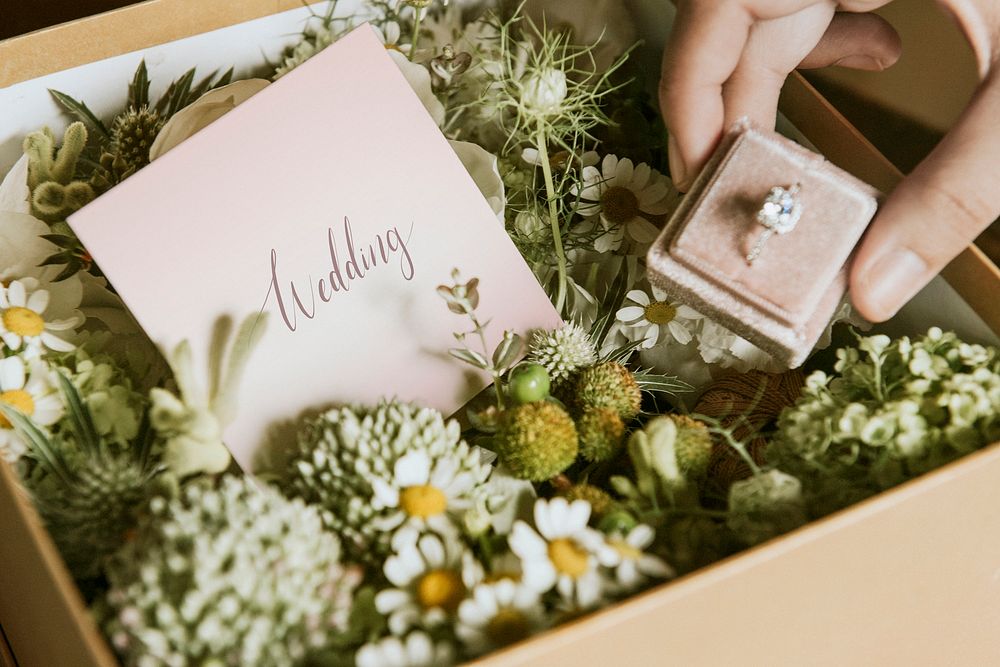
(331, 202)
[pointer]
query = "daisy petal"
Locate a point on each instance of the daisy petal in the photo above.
(630, 314)
(16, 294)
(638, 296)
(38, 301)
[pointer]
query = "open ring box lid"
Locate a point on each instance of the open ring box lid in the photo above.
(907, 577)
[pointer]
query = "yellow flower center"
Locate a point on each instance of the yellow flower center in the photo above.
(423, 501)
(507, 627)
(568, 558)
(440, 588)
(23, 322)
(659, 312)
(20, 400)
(619, 205)
(625, 550)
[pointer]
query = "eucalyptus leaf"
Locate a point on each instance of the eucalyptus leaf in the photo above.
(507, 351)
(470, 357)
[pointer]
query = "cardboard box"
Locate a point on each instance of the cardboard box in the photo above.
(909, 577)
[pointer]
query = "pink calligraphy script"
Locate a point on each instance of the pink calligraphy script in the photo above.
(358, 262)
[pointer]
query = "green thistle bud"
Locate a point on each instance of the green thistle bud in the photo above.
(599, 499)
(133, 133)
(601, 433)
(693, 447)
(536, 440)
(608, 385)
(89, 517)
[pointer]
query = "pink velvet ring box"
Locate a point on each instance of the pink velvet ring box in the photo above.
(783, 299)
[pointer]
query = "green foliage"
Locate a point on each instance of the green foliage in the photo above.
(89, 489)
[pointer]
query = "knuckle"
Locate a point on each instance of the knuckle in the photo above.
(961, 213)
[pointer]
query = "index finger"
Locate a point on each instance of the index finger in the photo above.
(705, 48)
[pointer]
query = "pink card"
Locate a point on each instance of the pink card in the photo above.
(331, 201)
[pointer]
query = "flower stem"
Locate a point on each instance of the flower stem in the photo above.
(550, 195)
(497, 384)
(418, 15)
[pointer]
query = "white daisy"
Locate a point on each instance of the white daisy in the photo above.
(31, 391)
(430, 492)
(389, 35)
(23, 304)
(635, 566)
(657, 320)
(431, 578)
(497, 615)
(624, 197)
(416, 650)
(564, 552)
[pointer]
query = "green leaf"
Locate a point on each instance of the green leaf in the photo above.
(200, 89)
(610, 304)
(507, 351)
(80, 110)
(655, 383)
(622, 354)
(38, 440)
(470, 357)
(138, 90)
(224, 80)
(80, 418)
(179, 93)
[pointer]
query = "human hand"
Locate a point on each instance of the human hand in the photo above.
(729, 58)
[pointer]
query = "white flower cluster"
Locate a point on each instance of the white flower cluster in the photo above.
(376, 471)
(233, 575)
(894, 409)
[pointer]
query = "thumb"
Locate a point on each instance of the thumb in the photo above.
(952, 196)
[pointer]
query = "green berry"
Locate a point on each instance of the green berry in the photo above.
(617, 521)
(608, 385)
(528, 383)
(601, 433)
(536, 441)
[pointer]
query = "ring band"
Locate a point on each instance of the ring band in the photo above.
(779, 213)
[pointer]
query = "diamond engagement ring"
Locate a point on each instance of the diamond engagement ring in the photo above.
(779, 214)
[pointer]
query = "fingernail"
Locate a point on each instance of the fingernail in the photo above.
(677, 169)
(892, 280)
(862, 62)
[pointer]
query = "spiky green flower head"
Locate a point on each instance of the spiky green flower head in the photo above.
(601, 434)
(89, 512)
(563, 351)
(227, 574)
(88, 488)
(372, 471)
(133, 134)
(600, 501)
(693, 447)
(608, 385)
(536, 441)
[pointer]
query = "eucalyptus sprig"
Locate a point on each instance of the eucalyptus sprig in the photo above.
(463, 299)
